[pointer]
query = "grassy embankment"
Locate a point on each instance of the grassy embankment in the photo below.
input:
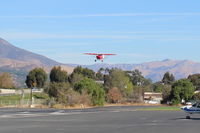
(26, 96)
(17, 99)
(160, 108)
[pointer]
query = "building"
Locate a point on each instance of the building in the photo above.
(152, 98)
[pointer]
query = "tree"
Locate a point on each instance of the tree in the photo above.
(114, 95)
(64, 94)
(85, 72)
(166, 93)
(107, 70)
(195, 79)
(118, 78)
(6, 81)
(157, 87)
(58, 90)
(75, 78)
(74, 97)
(168, 78)
(181, 89)
(94, 90)
(58, 75)
(138, 94)
(196, 96)
(137, 78)
(36, 78)
(99, 74)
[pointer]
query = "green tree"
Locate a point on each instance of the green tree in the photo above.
(64, 94)
(58, 90)
(195, 79)
(58, 75)
(6, 80)
(94, 90)
(157, 87)
(75, 78)
(141, 84)
(118, 78)
(181, 89)
(36, 78)
(99, 74)
(168, 78)
(137, 78)
(85, 72)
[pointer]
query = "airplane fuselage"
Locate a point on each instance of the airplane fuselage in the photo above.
(191, 109)
(99, 57)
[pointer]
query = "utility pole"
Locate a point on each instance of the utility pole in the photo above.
(22, 98)
(31, 94)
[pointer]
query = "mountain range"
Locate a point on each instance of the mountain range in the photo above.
(18, 62)
(156, 69)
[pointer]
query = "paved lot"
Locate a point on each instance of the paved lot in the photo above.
(97, 120)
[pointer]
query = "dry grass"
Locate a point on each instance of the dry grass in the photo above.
(76, 106)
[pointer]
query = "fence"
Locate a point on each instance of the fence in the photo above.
(24, 102)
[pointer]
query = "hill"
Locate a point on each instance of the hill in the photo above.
(18, 61)
(156, 69)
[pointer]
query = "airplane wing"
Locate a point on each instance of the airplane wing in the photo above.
(91, 53)
(108, 54)
(98, 54)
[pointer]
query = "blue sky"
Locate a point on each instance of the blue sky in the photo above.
(136, 30)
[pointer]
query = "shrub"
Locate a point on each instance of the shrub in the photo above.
(94, 90)
(114, 95)
(196, 96)
(58, 91)
(74, 98)
(181, 89)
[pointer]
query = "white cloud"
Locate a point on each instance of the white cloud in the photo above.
(21, 35)
(137, 55)
(182, 39)
(141, 14)
(102, 15)
(137, 35)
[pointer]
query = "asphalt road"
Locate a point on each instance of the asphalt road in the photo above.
(96, 120)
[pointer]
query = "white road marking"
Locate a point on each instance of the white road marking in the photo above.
(59, 112)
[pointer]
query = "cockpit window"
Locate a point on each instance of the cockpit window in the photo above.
(198, 106)
(194, 105)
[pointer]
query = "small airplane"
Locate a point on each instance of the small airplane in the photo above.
(99, 57)
(192, 109)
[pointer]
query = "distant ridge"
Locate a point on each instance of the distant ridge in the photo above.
(156, 69)
(8, 51)
(16, 60)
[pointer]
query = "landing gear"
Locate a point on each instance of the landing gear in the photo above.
(187, 117)
(95, 60)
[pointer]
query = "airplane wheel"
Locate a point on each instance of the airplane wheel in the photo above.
(95, 60)
(187, 117)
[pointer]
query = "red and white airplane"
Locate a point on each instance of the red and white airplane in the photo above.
(99, 57)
